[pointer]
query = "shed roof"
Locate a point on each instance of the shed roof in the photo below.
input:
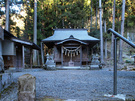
(20, 41)
(61, 34)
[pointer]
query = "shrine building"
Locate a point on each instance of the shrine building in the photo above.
(71, 47)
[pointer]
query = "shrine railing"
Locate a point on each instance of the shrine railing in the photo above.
(116, 34)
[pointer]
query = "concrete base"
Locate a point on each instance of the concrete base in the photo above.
(119, 96)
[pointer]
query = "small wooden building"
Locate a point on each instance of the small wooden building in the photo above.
(71, 47)
(13, 50)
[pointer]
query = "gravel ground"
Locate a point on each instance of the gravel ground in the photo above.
(77, 84)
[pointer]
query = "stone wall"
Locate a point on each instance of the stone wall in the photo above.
(6, 80)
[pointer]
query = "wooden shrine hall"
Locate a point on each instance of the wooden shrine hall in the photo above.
(71, 47)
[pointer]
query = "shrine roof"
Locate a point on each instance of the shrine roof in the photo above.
(62, 34)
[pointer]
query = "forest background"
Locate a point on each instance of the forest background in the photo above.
(53, 14)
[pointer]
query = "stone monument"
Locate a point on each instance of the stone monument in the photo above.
(27, 88)
(50, 62)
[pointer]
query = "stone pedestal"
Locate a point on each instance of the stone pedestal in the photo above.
(50, 62)
(27, 88)
(71, 63)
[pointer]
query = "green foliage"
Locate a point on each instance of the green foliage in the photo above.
(95, 33)
(106, 35)
(53, 14)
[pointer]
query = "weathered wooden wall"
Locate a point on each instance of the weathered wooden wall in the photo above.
(75, 59)
(9, 60)
(8, 47)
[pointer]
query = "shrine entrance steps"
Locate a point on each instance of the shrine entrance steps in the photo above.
(73, 68)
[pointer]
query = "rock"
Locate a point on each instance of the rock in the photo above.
(27, 88)
(1, 64)
(0, 83)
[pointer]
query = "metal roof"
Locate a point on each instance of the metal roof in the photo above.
(20, 41)
(61, 34)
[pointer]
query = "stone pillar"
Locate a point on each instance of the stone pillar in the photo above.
(27, 88)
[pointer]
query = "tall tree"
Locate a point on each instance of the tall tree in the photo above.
(105, 40)
(96, 15)
(101, 33)
(35, 32)
(113, 27)
(122, 31)
(106, 6)
(7, 15)
(91, 18)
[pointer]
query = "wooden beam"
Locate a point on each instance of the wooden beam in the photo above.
(81, 56)
(62, 56)
(23, 57)
(31, 58)
(21, 41)
(87, 55)
(42, 54)
(38, 58)
(71, 46)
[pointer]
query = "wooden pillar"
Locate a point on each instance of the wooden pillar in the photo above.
(81, 56)
(87, 55)
(23, 57)
(42, 54)
(62, 56)
(38, 61)
(31, 58)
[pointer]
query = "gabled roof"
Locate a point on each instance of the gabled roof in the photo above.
(71, 38)
(62, 34)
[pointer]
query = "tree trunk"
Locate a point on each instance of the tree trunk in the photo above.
(7, 15)
(105, 48)
(96, 16)
(35, 33)
(105, 39)
(101, 34)
(118, 24)
(113, 27)
(63, 23)
(91, 18)
(122, 31)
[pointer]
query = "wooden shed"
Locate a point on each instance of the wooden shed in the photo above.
(71, 47)
(13, 50)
